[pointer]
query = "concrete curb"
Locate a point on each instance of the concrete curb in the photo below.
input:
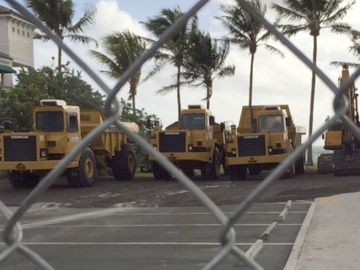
(292, 261)
(253, 251)
(266, 235)
(288, 204)
(282, 215)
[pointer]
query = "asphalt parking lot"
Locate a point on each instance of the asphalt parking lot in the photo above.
(155, 238)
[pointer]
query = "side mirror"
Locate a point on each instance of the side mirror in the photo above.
(288, 121)
(222, 126)
(233, 129)
(212, 120)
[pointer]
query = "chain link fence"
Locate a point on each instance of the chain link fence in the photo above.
(12, 233)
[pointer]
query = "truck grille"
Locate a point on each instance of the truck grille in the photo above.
(251, 145)
(172, 142)
(20, 148)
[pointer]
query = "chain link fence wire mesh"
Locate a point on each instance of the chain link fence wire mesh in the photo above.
(12, 233)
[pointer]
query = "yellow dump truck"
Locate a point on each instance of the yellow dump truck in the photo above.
(195, 142)
(265, 137)
(57, 130)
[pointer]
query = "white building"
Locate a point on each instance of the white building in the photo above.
(16, 44)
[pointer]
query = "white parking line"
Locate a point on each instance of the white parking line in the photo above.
(151, 225)
(128, 244)
(141, 244)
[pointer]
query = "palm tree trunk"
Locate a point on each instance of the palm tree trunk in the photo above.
(134, 81)
(133, 104)
(208, 82)
(208, 95)
(178, 92)
(253, 125)
(251, 79)
(312, 98)
(59, 60)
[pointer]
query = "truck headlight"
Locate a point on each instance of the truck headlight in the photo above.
(43, 153)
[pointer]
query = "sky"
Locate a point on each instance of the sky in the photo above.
(276, 80)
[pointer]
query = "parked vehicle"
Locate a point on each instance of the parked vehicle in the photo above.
(345, 159)
(265, 137)
(58, 130)
(196, 142)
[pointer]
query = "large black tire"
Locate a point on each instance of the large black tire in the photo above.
(225, 169)
(299, 166)
(254, 170)
(289, 173)
(23, 180)
(17, 179)
(124, 164)
(211, 171)
(86, 173)
(292, 171)
(189, 172)
(32, 180)
(237, 172)
(159, 172)
(223, 161)
(325, 163)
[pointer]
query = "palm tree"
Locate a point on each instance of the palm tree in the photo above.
(354, 48)
(206, 62)
(247, 33)
(312, 16)
(121, 50)
(175, 50)
(58, 16)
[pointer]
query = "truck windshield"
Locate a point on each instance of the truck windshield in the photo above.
(271, 123)
(194, 121)
(50, 121)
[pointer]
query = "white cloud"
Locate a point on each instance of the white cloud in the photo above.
(110, 18)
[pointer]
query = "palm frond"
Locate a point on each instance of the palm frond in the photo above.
(166, 89)
(114, 70)
(290, 13)
(340, 64)
(227, 71)
(342, 28)
(291, 30)
(333, 12)
(43, 37)
(85, 20)
(82, 39)
(264, 36)
(355, 48)
(274, 50)
(158, 67)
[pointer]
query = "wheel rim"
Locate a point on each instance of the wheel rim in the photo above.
(89, 168)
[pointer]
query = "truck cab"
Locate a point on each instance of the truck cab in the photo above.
(61, 123)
